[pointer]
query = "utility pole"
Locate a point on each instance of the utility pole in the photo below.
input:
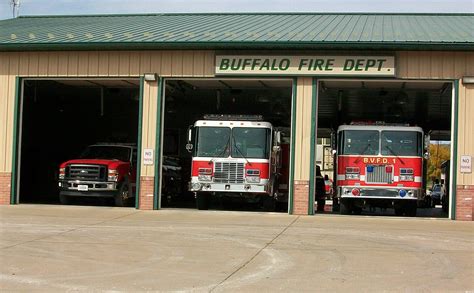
(15, 4)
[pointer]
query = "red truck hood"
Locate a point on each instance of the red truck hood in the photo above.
(110, 163)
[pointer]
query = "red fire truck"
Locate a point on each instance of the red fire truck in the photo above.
(237, 156)
(380, 165)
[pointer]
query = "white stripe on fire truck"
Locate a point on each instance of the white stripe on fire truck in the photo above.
(418, 179)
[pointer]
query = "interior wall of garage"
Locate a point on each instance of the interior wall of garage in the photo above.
(410, 65)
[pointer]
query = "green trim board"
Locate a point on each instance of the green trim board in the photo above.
(16, 118)
(139, 142)
(455, 150)
(313, 149)
(291, 182)
(90, 46)
(159, 107)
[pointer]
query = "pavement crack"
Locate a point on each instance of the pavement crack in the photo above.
(70, 230)
(255, 255)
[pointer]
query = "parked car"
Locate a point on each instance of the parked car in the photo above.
(172, 183)
(436, 194)
(328, 187)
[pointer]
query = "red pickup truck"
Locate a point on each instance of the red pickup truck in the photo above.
(102, 170)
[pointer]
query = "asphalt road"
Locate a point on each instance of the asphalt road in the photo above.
(75, 248)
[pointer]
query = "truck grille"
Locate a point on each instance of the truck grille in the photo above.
(378, 175)
(86, 172)
(228, 172)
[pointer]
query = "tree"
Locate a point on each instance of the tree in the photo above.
(438, 154)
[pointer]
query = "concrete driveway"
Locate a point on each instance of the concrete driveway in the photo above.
(74, 248)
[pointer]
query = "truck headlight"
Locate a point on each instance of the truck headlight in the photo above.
(252, 176)
(352, 173)
(252, 179)
(406, 174)
(406, 177)
(113, 175)
(352, 176)
(196, 186)
(62, 173)
(204, 177)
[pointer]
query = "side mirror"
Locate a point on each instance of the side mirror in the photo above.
(190, 134)
(427, 142)
(426, 155)
(189, 147)
(278, 138)
(333, 141)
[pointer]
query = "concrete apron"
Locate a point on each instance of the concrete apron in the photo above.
(58, 248)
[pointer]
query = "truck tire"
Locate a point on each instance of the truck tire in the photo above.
(399, 212)
(410, 209)
(64, 199)
(357, 210)
(123, 194)
(269, 204)
(344, 207)
(202, 200)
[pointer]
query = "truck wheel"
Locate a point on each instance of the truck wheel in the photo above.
(64, 199)
(123, 194)
(445, 206)
(357, 210)
(344, 207)
(399, 212)
(410, 209)
(202, 200)
(269, 204)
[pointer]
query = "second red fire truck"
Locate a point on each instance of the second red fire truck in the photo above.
(380, 165)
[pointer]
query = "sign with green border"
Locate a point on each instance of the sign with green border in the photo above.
(383, 66)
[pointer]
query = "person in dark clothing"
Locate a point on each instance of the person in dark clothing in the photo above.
(320, 190)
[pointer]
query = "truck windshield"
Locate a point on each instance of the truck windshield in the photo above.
(107, 153)
(359, 142)
(402, 143)
(251, 142)
(213, 142)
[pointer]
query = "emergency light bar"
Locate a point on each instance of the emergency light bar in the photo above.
(231, 117)
(369, 122)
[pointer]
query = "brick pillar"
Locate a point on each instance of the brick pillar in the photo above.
(464, 202)
(300, 197)
(147, 186)
(5, 188)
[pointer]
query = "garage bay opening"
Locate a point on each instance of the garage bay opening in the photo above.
(384, 146)
(78, 141)
(226, 144)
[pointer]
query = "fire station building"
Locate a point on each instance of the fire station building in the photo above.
(70, 81)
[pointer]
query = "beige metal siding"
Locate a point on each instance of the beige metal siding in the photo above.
(303, 128)
(110, 64)
(434, 65)
(410, 65)
(95, 65)
(150, 95)
(447, 65)
(465, 130)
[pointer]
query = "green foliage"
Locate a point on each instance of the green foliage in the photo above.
(438, 154)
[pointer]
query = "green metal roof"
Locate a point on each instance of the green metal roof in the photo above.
(240, 31)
